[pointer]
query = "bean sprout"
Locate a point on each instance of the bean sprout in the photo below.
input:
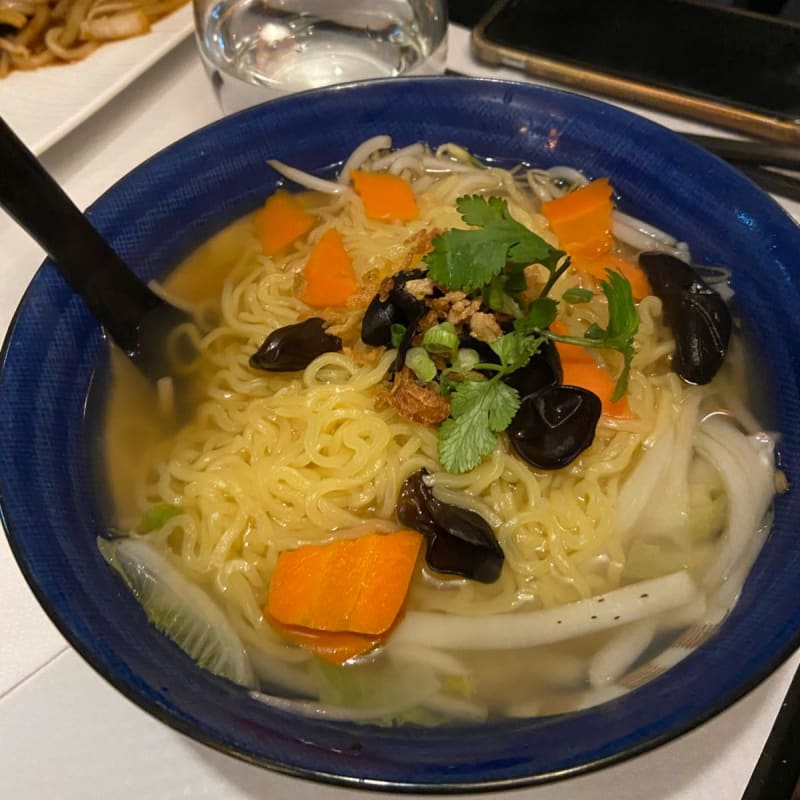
(362, 154)
(384, 162)
(642, 236)
(306, 179)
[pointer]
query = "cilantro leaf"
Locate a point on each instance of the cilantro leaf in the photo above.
(463, 445)
(479, 411)
(623, 324)
(491, 257)
(463, 261)
(469, 259)
(577, 295)
(497, 297)
(541, 312)
(481, 211)
(622, 381)
(623, 319)
(515, 278)
(515, 350)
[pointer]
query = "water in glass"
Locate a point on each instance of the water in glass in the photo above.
(255, 50)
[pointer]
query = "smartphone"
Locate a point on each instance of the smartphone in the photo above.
(720, 65)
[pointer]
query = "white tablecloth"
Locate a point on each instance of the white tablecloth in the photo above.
(65, 733)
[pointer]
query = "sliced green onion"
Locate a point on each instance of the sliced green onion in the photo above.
(421, 364)
(465, 359)
(441, 340)
(398, 332)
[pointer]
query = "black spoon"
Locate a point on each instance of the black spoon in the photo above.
(776, 775)
(136, 318)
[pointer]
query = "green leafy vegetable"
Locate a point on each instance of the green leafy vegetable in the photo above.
(497, 297)
(469, 259)
(541, 313)
(515, 350)
(480, 410)
(577, 295)
(490, 258)
(623, 324)
(623, 320)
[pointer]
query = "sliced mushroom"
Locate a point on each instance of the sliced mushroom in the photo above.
(459, 541)
(555, 425)
(699, 318)
(294, 347)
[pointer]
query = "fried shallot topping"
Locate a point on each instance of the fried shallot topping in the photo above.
(484, 327)
(413, 400)
(455, 307)
(345, 321)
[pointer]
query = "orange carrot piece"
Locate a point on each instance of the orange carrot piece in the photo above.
(282, 220)
(352, 585)
(570, 352)
(335, 647)
(580, 368)
(596, 267)
(385, 196)
(588, 375)
(582, 219)
(574, 353)
(330, 278)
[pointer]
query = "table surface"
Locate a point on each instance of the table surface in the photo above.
(66, 734)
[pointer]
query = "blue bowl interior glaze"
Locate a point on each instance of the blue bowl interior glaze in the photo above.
(167, 206)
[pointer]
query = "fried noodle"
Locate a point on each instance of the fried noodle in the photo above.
(35, 33)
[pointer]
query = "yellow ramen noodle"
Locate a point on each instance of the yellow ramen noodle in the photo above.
(273, 461)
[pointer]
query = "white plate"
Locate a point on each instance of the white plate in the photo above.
(43, 105)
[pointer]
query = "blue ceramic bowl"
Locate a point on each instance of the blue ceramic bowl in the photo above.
(159, 212)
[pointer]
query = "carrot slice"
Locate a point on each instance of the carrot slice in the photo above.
(582, 219)
(580, 368)
(336, 647)
(570, 352)
(385, 196)
(330, 278)
(282, 220)
(574, 353)
(588, 375)
(352, 585)
(596, 267)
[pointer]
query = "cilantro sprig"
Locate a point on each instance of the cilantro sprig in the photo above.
(470, 259)
(480, 409)
(623, 325)
(489, 259)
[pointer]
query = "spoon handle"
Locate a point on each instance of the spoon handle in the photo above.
(775, 776)
(112, 292)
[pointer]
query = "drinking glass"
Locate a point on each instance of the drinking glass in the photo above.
(256, 50)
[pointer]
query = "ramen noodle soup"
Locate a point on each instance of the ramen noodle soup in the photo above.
(471, 443)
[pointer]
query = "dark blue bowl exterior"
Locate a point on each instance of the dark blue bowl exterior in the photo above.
(164, 208)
